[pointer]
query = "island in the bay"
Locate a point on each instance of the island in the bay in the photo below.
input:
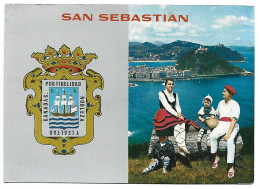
(192, 61)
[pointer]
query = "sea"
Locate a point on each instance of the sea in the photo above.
(61, 122)
(144, 101)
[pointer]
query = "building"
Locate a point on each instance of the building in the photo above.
(139, 75)
(201, 49)
(187, 73)
(162, 74)
(169, 73)
(131, 58)
(147, 75)
(141, 66)
(220, 45)
(156, 74)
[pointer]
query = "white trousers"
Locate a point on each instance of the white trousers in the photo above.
(219, 131)
(180, 135)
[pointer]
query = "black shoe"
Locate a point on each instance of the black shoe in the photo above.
(186, 162)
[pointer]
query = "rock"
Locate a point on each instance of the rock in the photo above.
(197, 148)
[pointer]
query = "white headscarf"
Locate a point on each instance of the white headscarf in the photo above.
(209, 97)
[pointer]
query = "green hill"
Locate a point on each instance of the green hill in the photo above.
(206, 63)
(176, 49)
(134, 43)
(226, 53)
(142, 50)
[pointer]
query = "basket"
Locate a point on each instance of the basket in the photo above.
(212, 122)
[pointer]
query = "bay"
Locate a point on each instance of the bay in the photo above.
(153, 64)
(144, 102)
(248, 64)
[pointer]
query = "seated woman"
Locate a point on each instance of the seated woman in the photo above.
(228, 111)
(168, 120)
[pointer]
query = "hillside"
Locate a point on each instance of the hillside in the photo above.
(142, 51)
(201, 173)
(158, 43)
(133, 43)
(174, 50)
(226, 53)
(206, 63)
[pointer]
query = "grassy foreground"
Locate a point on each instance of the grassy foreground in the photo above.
(201, 173)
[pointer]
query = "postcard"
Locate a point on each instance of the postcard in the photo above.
(129, 94)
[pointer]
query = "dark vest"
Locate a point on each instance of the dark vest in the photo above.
(172, 104)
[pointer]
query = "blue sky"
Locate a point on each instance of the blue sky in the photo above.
(208, 25)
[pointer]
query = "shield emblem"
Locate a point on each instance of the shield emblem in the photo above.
(63, 105)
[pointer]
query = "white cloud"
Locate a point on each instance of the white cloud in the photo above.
(179, 33)
(140, 24)
(177, 27)
(163, 6)
(146, 31)
(191, 28)
(194, 34)
(212, 8)
(193, 31)
(164, 26)
(138, 31)
(238, 39)
(139, 38)
(135, 31)
(231, 20)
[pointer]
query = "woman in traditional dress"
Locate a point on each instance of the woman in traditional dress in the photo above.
(168, 120)
(228, 111)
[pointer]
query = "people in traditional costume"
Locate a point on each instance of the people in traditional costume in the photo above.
(168, 120)
(205, 112)
(228, 111)
(162, 155)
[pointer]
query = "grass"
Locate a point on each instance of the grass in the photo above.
(201, 173)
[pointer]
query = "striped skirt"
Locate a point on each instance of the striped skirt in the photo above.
(164, 122)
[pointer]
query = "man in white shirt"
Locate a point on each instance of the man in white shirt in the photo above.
(228, 111)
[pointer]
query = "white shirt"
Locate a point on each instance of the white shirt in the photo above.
(201, 111)
(162, 144)
(171, 98)
(230, 109)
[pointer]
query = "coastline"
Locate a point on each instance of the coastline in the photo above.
(152, 61)
(244, 73)
(242, 61)
(137, 61)
(190, 78)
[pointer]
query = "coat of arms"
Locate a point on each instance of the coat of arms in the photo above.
(63, 104)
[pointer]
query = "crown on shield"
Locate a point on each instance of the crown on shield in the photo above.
(64, 58)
